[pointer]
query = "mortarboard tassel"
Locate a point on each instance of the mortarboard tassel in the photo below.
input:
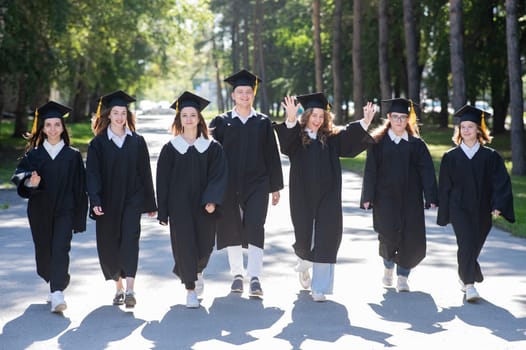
(176, 107)
(412, 114)
(35, 123)
(99, 107)
(483, 123)
(256, 87)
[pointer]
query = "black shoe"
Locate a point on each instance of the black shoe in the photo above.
(255, 288)
(237, 284)
(129, 300)
(119, 298)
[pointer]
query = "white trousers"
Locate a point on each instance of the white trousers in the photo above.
(254, 261)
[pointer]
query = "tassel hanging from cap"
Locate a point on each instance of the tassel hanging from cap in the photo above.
(98, 108)
(256, 87)
(483, 123)
(35, 122)
(412, 114)
(176, 107)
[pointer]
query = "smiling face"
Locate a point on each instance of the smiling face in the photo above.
(189, 118)
(243, 96)
(316, 119)
(118, 116)
(53, 129)
(468, 132)
(398, 122)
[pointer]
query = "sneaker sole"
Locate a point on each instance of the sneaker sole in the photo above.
(59, 308)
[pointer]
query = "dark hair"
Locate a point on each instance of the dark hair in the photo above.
(98, 125)
(37, 139)
(177, 127)
(326, 129)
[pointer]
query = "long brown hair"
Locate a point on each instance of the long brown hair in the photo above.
(379, 132)
(98, 125)
(483, 136)
(177, 127)
(37, 139)
(326, 129)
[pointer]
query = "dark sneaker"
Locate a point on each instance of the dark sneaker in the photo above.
(237, 284)
(255, 288)
(129, 299)
(119, 298)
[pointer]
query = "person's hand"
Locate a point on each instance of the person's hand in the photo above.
(152, 214)
(290, 107)
(275, 198)
(98, 211)
(210, 208)
(366, 205)
(369, 110)
(495, 213)
(34, 180)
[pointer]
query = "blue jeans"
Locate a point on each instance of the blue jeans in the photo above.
(400, 271)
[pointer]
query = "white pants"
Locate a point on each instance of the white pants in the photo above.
(322, 275)
(254, 261)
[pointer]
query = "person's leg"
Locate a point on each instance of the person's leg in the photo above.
(402, 273)
(387, 280)
(235, 260)
(254, 267)
(322, 280)
(59, 270)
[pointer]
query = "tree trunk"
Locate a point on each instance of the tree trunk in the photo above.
(259, 62)
(411, 48)
(336, 62)
(245, 29)
(219, 89)
(516, 99)
(457, 54)
(318, 66)
(234, 33)
(21, 107)
(80, 103)
(383, 50)
(357, 81)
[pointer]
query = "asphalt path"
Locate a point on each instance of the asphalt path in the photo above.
(361, 314)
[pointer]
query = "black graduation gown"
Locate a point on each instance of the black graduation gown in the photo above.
(185, 184)
(120, 181)
(254, 171)
(58, 206)
(469, 190)
(315, 188)
(397, 178)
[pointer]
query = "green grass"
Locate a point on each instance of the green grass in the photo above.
(439, 141)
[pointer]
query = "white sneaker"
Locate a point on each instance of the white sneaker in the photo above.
(200, 285)
(387, 280)
(58, 304)
(462, 286)
(305, 280)
(471, 293)
(402, 285)
(319, 297)
(48, 299)
(191, 300)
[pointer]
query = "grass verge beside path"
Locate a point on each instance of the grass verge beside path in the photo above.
(439, 141)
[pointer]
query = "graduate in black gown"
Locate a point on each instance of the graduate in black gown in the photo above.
(254, 171)
(52, 175)
(399, 175)
(191, 182)
(473, 185)
(120, 189)
(314, 146)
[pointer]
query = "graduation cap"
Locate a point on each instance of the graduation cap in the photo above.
(315, 100)
(244, 78)
(50, 109)
(472, 114)
(188, 99)
(116, 98)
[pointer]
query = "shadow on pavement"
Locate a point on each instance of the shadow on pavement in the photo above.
(496, 319)
(117, 324)
(417, 308)
(229, 319)
(327, 321)
(21, 332)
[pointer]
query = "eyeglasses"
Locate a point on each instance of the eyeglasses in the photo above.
(399, 118)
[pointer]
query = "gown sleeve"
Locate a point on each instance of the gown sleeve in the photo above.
(289, 138)
(164, 170)
(23, 170)
(93, 176)
(427, 175)
(353, 140)
(145, 172)
(444, 189)
(502, 199)
(80, 195)
(272, 159)
(217, 176)
(369, 178)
